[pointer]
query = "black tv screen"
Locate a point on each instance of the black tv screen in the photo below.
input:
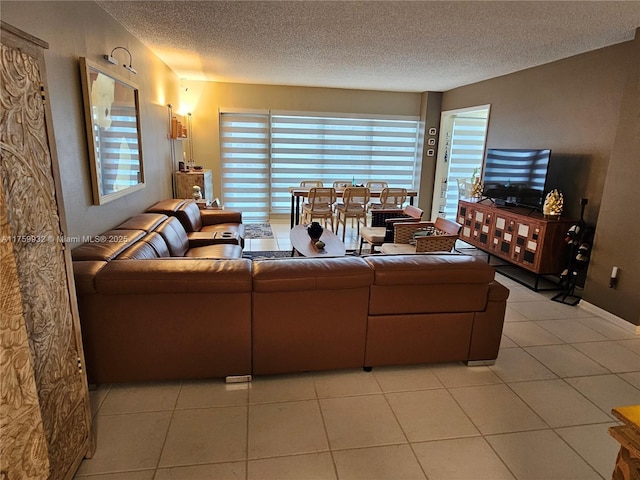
(516, 176)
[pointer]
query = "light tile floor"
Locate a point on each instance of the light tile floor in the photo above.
(540, 413)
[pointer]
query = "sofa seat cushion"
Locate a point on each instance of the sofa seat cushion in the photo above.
(108, 245)
(215, 251)
(428, 283)
(373, 235)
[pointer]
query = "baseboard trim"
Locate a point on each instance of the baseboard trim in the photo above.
(617, 321)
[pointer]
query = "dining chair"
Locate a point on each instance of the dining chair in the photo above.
(354, 206)
(390, 198)
(320, 205)
(376, 186)
(342, 184)
(309, 184)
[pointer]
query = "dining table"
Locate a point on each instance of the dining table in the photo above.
(300, 192)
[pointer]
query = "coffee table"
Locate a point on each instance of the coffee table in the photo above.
(301, 243)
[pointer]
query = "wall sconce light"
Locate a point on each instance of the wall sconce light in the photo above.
(109, 58)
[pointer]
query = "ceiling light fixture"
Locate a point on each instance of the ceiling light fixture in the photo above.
(110, 59)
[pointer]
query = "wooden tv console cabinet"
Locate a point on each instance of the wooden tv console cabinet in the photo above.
(516, 234)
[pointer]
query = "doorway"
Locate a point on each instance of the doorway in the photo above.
(460, 156)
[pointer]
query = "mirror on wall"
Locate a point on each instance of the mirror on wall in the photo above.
(112, 116)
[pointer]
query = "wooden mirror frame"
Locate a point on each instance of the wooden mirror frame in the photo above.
(114, 141)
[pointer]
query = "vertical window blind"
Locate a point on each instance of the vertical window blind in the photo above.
(313, 147)
(244, 150)
(467, 153)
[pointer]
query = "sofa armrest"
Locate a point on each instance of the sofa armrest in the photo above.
(488, 325)
(215, 217)
(84, 273)
(498, 292)
(201, 239)
(391, 221)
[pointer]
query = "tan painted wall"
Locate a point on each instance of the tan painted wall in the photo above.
(574, 106)
(619, 221)
(204, 99)
(82, 29)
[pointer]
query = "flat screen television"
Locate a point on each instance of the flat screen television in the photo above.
(516, 176)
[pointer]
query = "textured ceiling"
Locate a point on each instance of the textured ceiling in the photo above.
(410, 46)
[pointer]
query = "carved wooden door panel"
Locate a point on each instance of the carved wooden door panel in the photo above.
(33, 228)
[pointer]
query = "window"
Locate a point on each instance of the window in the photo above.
(244, 143)
(313, 147)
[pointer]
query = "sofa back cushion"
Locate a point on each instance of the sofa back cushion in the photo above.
(139, 251)
(108, 245)
(143, 221)
(174, 276)
(299, 274)
(175, 237)
(428, 283)
(167, 206)
(186, 211)
(158, 244)
(189, 215)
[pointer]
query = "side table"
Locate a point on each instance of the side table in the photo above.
(628, 435)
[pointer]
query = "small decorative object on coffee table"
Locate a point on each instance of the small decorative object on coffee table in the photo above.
(315, 231)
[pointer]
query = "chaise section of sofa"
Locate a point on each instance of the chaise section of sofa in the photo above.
(165, 319)
(309, 314)
(433, 308)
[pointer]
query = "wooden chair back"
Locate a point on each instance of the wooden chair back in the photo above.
(341, 184)
(376, 186)
(393, 197)
(321, 198)
(356, 198)
(311, 183)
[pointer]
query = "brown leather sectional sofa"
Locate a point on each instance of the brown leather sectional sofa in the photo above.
(146, 316)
